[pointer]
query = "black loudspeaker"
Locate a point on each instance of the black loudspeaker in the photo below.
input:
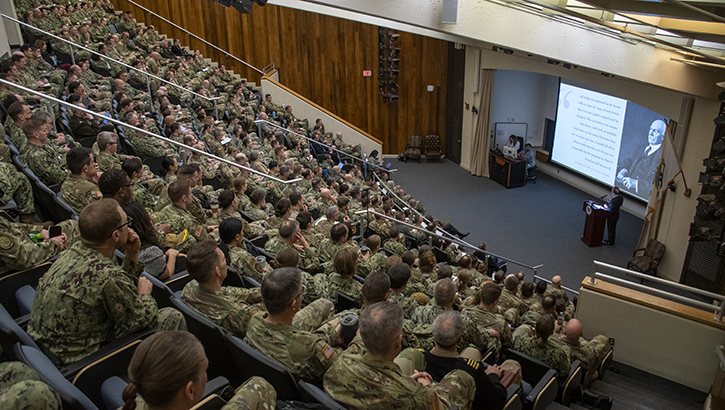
(549, 126)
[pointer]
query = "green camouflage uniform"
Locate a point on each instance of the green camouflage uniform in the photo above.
(17, 136)
(21, 389)
(304, 348)
(181, 220)
(557, 357)
(509, 300)
(45, 164)
(472, 335)
(255, 393)
(397, 247)
(309, 260)
(408, 304)
(372, 264)
(86, 300)
(329, 249)
(18, 251)
(230, 307)
(359, 381)
(245, 263)
(532, 303)
(107, 161)
(147, 147)
(484, 319)
(78, 192)
(15, 185)
(142, 195)
(328, 286)
(530, 318)
(589, 352)
(324, 226)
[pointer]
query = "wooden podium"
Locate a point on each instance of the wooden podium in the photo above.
(594, 224)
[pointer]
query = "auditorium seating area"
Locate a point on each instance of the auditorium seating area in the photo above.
(236, 137)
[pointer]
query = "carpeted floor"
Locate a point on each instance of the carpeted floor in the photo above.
(539, 223)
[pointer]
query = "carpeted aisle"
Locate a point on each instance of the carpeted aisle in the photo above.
(535, 224)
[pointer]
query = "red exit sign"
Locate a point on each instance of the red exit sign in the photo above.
(367, 73)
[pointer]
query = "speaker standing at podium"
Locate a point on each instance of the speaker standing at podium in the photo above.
(614, 204)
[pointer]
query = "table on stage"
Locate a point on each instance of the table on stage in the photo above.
(506, 171)
(595, 222)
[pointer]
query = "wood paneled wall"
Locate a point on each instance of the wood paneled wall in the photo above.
(320, 57)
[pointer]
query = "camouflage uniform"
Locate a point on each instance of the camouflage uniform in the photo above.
(18, 251)
(557, 357)
(245, 263)
(181, 220)
(17, 136)
(313, 238)
(304, 348)
(408, 304)
(484, 319)
(308, 258)
(530, 318)
(472, 335)
(107, 161)
(147, 147)
(328, 286)
(15, 185)
(372, 264)
(397, 248)
(21, 389)
(78, 192)
(532, 303)
(255, 393)
(553, 290)
(359, 381)
(255, 212)
(589, 352)
(88, 300)
(509, 300)
(230, 307)
(329, 249)
(324, 226)
(45, 164)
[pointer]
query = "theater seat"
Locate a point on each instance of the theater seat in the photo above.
(70, 395)
(252, 362)
(538, 381)
(24, 296)
(313, 394)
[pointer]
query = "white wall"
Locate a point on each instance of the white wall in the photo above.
(521, 96)
(9, 31)
(302, 108)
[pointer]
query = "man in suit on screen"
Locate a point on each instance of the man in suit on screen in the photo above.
(637, 172)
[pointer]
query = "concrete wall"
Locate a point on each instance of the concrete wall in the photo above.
(664, 344)
(302, 108)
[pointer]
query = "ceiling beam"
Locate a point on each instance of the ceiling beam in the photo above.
(645, 7)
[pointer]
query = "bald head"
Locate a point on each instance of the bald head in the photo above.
(573, 331)
(556, 281)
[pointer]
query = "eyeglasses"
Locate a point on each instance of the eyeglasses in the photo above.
(113, 143)
(128, 222)
(303, 293)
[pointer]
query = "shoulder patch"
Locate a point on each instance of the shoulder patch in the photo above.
(98, 194)
(6, 242)
(327, 351)
(474, 364)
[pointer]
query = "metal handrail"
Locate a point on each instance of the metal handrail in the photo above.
(720, 310)
(148, 84)
(161, 137)
(454, 240)
(228, 54)
(317, 142)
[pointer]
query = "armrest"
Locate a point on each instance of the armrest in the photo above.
(573, 381)
(215, 386)
(513, 398)
(637, 250)
(70, 371)
(544, 392)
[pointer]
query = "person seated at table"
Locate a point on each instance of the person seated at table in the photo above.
(514, 142)
(527, 154)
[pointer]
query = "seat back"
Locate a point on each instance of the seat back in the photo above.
(252, 362)
(432, 146)
(605, 364)
(313, 394)
(160, 292)
(539, 375)
(70, 395)
(211, 337)
(345, 302)
(64, 210)
(233, 278)
(655, 249)
(9, 285)
(412, 150)
(11, 333)
(24, 297)
(154, 164)
(532, 370)
(178, 281)
(572, 382)
(89, 379)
